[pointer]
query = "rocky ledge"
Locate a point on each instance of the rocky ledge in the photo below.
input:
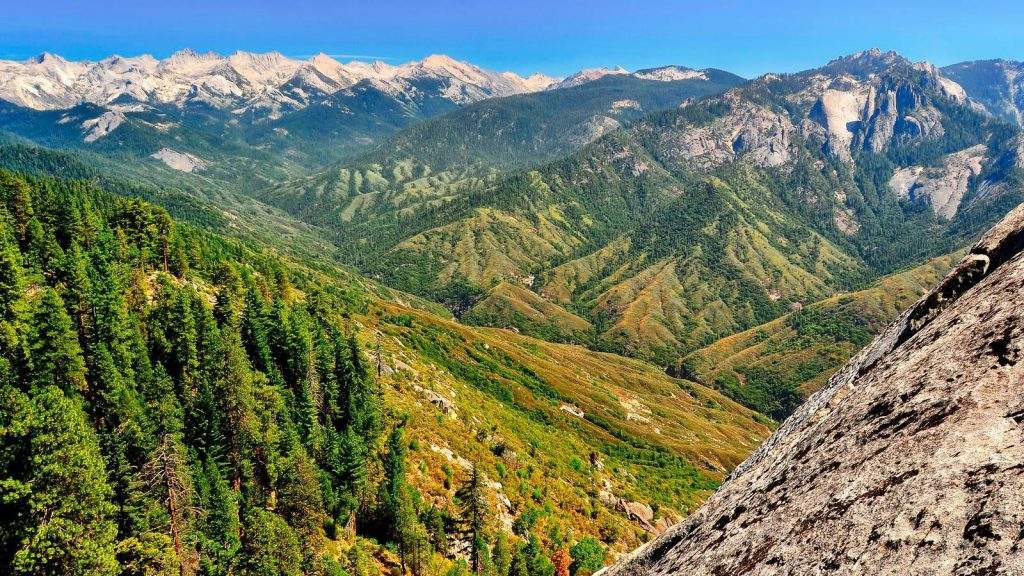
(909, 462)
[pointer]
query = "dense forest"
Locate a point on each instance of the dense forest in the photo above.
(175, 403)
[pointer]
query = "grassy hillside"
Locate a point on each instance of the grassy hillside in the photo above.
(773, 367)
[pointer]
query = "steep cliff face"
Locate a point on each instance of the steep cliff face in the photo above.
(909, 462)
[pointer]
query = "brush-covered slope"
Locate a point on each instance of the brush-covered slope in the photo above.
(906, 462)
(772, 368)
(176, 402)
(696, 223)
(447, 157)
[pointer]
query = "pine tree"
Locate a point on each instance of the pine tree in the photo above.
(300, 501)
(271, 547)
(15, 193)
(219, 525)
(12, 305)
(537, 563)
(57, 505)
(434, 519)
(55, 353)
(167, 476)
(474, 511)
(398, 512)
(502, 554)
(520, 564)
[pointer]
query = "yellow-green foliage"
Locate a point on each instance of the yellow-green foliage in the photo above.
(492, 245)
(510, 305)
(797, 353)
(511, 404)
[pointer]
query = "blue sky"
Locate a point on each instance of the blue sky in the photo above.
(557, 37)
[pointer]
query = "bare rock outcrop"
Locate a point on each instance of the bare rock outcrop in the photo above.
(943, 186)
(756, 134)
(910, 461)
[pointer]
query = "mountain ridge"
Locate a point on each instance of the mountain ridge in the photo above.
(239, 81)
(855, 163)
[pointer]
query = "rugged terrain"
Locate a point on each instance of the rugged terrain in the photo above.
(691, 224)
(997, 85)
(907, 462)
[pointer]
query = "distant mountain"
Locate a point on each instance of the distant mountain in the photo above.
(528, 129)
(305, 113)
(696, 222)
(664, 74)
(589, 75)
(240, 82)
(998, 85)
(293, 114)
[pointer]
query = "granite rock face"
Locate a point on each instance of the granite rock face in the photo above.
(909, 462)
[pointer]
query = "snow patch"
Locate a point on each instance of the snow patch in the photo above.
(671, 74)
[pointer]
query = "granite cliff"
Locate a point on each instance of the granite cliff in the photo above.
(908, 462)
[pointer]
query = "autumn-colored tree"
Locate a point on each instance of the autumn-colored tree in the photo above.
(561, 560)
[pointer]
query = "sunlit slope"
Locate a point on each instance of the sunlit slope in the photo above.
(774, 366)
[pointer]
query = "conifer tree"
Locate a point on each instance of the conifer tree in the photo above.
(501, 554)
(474, 511)
(57, 505)
(218, 527)
(398, 512)
(17, 195)
(55, 353)
(12, 290)
(167, 476)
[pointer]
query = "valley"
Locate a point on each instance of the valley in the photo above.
(299, 316)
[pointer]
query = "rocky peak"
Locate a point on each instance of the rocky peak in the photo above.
(47, 58)
(867, 62)
(997, 85)
(589, 75)
(907, 462)
(239, 81)
(671, 74)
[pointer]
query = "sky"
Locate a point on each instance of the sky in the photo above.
(556, 37)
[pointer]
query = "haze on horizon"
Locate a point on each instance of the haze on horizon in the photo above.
(742, 36)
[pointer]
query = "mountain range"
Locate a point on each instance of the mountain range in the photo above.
(241, 82)
(601, 292)
(685, 225)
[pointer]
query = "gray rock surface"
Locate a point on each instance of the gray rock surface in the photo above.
(909, 462)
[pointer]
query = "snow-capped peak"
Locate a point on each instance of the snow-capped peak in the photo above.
(671, 74)
(662, 74)
(589, 75)
(239, 81)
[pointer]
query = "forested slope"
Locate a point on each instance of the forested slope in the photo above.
(179, 403)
